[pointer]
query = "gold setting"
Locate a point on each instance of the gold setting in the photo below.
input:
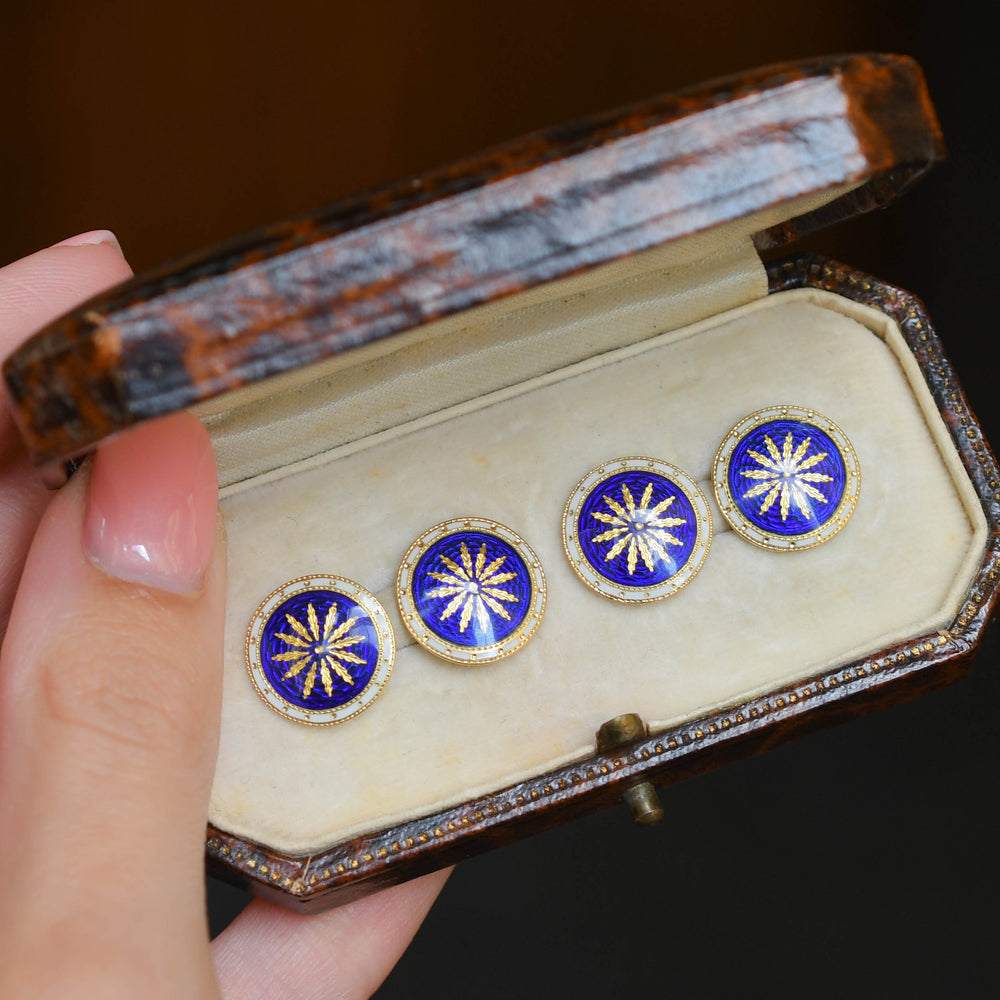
(467, 655)
(361, 701)
(750, 531)
(619, 592)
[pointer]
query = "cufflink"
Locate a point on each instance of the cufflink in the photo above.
(319, 649)
(471, 590)
(786, 478)
(637, 529)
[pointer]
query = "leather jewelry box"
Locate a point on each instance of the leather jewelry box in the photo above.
(469, 344)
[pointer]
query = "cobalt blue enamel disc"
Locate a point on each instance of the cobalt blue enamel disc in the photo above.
(319, 649)
(786, 478)
(471, 591)
(637, 529)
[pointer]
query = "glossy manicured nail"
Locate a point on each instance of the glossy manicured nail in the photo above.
(152, 504)
(92, 238)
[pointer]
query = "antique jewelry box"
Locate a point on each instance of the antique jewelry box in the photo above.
(469, 344)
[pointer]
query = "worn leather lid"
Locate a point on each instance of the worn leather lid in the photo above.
(546, 206)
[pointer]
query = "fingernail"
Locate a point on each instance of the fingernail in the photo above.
(152, 503)
(92, 238)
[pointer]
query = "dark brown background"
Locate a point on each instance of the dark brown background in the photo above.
(860, 861)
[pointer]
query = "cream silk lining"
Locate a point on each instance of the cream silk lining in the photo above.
(594, 374)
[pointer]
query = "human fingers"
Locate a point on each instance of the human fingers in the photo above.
(110, 686)
(268, 953)
(33, 292)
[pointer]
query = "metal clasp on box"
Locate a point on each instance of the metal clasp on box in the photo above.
(640, 797)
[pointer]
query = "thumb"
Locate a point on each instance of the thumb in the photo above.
(110, 685)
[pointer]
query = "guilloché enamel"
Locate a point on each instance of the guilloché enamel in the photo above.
(471, 590)
(636, 529)
(319, 650)
(786, 478)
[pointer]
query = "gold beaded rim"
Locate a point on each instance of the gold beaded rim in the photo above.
(772, 541)
(383, 668)
(467, 655)
(619, 592)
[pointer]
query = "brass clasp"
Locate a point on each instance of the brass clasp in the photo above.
(640, 797)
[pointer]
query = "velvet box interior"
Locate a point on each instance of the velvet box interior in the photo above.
(649, 330)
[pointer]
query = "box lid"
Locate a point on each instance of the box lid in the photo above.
(807, 144)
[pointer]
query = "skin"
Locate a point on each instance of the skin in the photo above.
(112, 593)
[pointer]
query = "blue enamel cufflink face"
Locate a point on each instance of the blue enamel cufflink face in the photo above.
(786, 478)
(470, 590)
(637, 529)
(319, 650)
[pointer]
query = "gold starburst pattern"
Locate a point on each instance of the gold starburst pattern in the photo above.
(473, 588)
(638, 529)
(785, 476)
(318, 650)
(321, 651)
(459, 608)
(786, 486)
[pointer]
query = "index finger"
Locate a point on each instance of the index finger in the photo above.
(34, 291)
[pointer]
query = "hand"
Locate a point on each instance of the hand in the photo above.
(110, 689)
